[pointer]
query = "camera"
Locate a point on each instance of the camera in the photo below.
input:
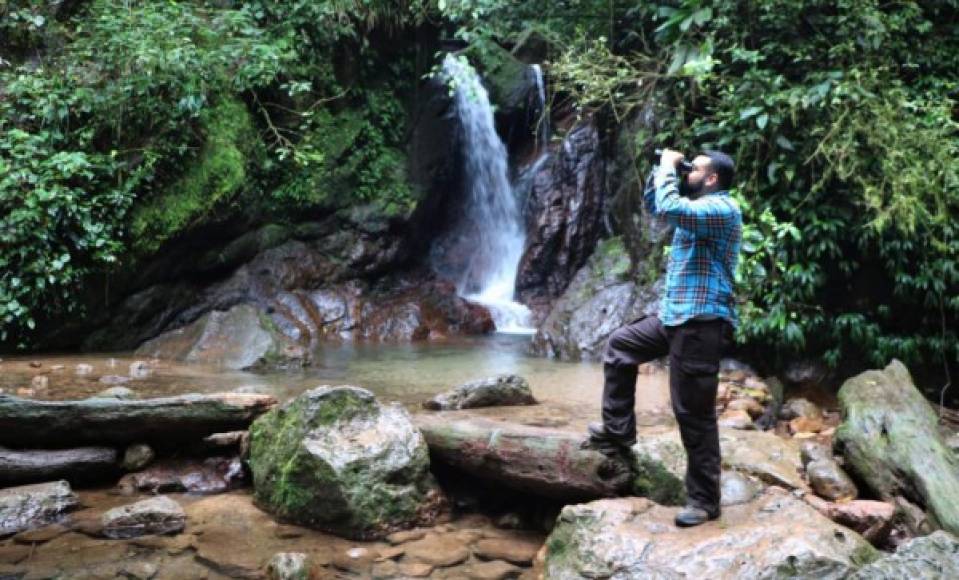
(682, 167)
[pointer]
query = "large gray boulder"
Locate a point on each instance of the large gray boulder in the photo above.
(242, 337)
(32, 506)
(490, 392)
(891, 441)
(335, 459)
(775, 536)
(927, 558)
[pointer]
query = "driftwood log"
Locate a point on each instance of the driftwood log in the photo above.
(26, 423)
(79, 465)
(537, 460)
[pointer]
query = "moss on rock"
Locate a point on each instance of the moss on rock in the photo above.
(335, 459)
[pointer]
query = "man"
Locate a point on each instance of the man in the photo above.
(694, 326)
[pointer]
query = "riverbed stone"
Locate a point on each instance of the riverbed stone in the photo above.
(891, 441)
(799, 407)
(242, 337)
(438, 550)
(28, 507)
(158, 515)
(829, 480)
(289, 566)
(137, 456)
(336, 459)
(813, 451)
(514, 550)
(192, 475)
(503, 390)
(774, 536)
(122, 393)
(736, 488)
(492, 570)
(927, 558)
(872, 519)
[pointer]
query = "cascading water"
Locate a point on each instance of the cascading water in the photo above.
(489, 274)
(542, 127)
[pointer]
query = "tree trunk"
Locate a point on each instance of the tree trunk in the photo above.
(541, 461)
(891, 441)
(26, 423)
(80, 465)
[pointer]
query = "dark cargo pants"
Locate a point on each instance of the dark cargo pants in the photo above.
(694, 350)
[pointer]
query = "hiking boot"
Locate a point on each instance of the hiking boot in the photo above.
(693, 516)
(604, 442)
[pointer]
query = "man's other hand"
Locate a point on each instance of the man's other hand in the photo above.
(670, 158)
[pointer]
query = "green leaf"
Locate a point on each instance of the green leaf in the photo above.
(762, 120)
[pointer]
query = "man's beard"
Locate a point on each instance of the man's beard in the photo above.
(687, 190)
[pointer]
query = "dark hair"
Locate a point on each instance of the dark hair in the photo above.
(724, 167)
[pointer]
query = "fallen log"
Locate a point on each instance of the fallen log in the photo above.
(26, 423)
(79, 465)
(890, 438)
(541, 461)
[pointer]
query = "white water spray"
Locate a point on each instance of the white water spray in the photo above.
(490, 273)
(542, 127)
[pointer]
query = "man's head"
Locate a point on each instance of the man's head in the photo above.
(712, 171)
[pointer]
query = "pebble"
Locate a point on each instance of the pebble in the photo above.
(40, 382)
(83, 369)
(36, 364)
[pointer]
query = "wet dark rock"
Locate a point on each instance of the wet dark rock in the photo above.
(492, 392)
(927, 558)
(335, 459)
(562, 212)
(600, 299)
(829, 480)
(137, 456)
(201, 476)
(775, 535)
(806, 373)
(28, 507)
(157, 515)
(891, 441)
(77, 465)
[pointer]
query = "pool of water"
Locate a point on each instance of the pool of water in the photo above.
(407, 373)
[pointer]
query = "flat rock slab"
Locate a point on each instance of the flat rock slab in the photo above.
(33, 506)
(437, 551)
(78, 465)
(508, 549)
(158, 515)
(492, 570)
(774, 536)
(928, 558)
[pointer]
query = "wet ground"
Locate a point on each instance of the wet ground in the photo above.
(227, 536)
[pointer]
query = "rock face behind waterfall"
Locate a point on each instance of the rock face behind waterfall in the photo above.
(600, 299)
(891, 441)
(335, 459)
(562, 217)
(775, 536)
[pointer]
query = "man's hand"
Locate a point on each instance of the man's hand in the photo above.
(670, 158)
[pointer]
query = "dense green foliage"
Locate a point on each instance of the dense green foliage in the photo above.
(126, 123)
(842, 117)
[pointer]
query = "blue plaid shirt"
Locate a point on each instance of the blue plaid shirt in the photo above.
(702, 264)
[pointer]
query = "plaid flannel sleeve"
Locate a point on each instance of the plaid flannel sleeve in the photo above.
(699, 216)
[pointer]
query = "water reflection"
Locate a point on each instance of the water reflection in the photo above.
(408, 373)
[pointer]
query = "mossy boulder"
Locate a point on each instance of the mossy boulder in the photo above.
(337, 460)
(891, 441)
(507, 79)
(926, 558)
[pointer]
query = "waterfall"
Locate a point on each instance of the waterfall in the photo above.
(542, 126)
(493, 217)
